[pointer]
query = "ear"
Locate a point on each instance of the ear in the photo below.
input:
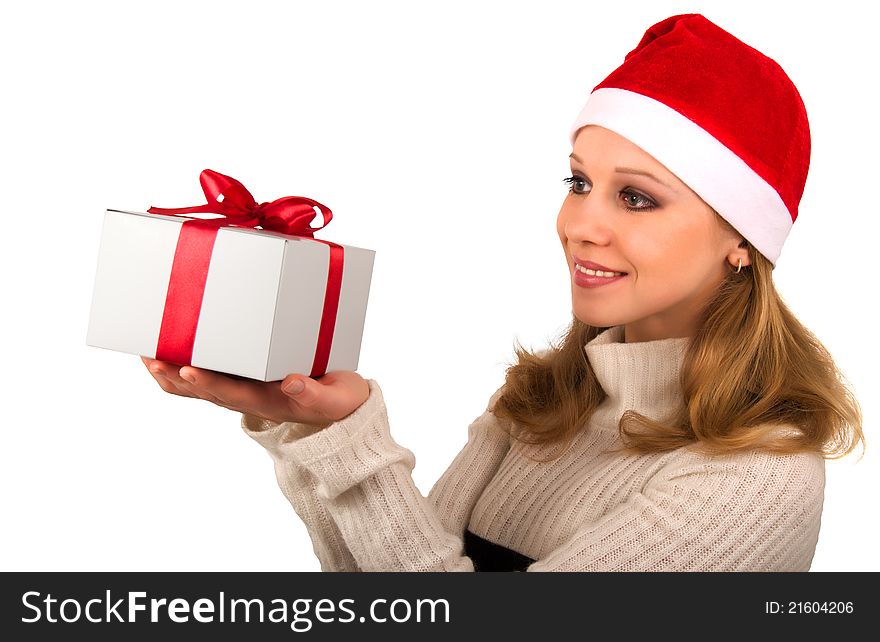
(740, 252)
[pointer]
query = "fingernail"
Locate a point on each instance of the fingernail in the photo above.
(187, 376)
(157, 371)
(295, 387)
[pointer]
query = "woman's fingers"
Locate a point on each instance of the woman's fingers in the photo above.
(159, 371)
(320, 401)
(307, 398)
(236, 394)
(304, 390)
(336, 395)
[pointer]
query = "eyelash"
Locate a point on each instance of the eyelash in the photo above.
(571, 179)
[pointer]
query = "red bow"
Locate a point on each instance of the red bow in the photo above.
(227, 196)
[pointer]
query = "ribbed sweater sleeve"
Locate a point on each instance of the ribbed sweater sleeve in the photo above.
(352, 486)
(300, 488)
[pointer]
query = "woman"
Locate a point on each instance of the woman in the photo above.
(683, 422)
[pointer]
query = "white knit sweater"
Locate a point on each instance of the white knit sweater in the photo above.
(351, 484)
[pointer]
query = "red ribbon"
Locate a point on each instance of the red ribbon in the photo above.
(192, 256)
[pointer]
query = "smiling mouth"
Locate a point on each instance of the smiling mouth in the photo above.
(600, 273)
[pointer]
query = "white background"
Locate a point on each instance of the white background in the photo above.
(438, 135)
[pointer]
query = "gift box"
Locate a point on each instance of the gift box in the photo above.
(249, 292)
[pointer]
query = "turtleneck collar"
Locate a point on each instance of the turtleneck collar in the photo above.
(641, 376)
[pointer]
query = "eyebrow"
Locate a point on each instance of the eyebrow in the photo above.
(630, 170)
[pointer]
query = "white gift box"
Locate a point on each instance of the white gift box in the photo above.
(263, 298)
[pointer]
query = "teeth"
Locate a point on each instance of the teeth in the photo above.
(597, 272)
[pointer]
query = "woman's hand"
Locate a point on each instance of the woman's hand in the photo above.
(320, 402)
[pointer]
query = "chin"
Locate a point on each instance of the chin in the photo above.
(597, 319)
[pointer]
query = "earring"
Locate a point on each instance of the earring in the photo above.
(739, 267)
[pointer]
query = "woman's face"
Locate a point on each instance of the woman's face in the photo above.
(666, 239)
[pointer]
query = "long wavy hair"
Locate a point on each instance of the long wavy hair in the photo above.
(751, 369)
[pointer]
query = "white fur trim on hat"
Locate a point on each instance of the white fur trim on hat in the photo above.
(720, 177)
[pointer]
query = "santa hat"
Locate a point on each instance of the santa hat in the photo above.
(718, 114)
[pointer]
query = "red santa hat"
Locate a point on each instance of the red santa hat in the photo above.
(720, 115)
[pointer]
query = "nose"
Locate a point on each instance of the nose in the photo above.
(587, 218)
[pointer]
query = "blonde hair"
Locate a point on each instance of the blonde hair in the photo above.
(751, 370)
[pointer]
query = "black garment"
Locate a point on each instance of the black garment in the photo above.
(488, 556)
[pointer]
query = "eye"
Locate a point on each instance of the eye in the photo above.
(575, 180)
(635, 202)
